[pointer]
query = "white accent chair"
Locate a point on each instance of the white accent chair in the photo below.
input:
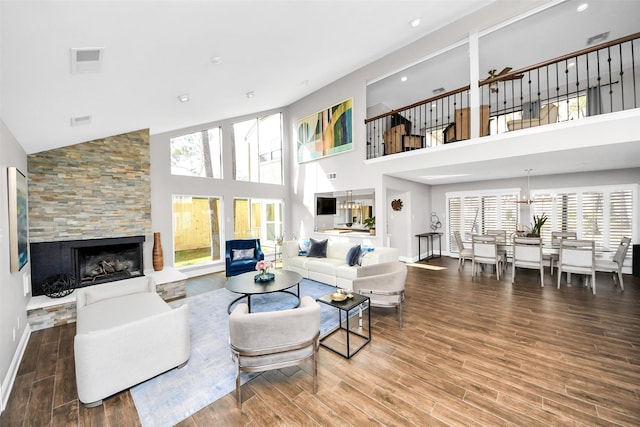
(578, 256)
(463, 253)
(615, 265)
(383, 284)
(485, 251)
(125, 334)
(556, 237)
(527, 253)
(276, 339)
(501, 239)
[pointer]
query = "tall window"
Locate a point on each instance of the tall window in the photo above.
(602, 214)
(476, 212)
(196, 230)
(197, 154)
(258, 150)
(254, 218)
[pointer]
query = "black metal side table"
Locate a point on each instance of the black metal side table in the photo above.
(355, 332)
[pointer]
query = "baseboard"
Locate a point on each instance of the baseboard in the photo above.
(7, 383)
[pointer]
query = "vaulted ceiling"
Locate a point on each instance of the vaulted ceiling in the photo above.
(155, 51)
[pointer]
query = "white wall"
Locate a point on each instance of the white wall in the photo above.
(351, 169)
(14, 331)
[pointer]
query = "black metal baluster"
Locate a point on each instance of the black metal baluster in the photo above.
(621, 79)
(633, 70)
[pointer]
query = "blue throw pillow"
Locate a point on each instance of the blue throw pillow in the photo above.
(353, 255)
(318, 248)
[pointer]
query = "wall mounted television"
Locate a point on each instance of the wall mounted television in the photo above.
(326, 206)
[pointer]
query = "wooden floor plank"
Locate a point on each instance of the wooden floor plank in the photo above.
(472, 352)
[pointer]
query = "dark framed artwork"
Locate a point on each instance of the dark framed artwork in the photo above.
(18, 219)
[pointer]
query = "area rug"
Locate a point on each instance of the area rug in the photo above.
(210, 374)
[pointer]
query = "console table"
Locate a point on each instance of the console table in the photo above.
(430, 250)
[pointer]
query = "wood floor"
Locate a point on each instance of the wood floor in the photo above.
(472, 352)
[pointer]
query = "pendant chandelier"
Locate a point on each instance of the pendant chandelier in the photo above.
(527, 200)
(349, 203)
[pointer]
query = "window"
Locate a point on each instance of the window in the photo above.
(258, 150)
(197, 154)
(602, 214)
(476, 212)
(196, 230)
(254, 218)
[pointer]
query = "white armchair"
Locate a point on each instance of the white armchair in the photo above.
(527, 253)
(273, 340)
(578, 256)
(463, 253)
(125, 334)
(615, 265)
(383, 284)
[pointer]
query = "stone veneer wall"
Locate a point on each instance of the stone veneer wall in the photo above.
(92, 190)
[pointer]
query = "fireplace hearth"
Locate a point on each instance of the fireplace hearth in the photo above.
(90, 262)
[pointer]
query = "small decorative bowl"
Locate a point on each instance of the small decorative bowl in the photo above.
(338, 296)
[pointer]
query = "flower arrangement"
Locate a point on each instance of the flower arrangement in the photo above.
(263, 266)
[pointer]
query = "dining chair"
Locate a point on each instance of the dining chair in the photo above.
(485, 251)
(578, 256)
(556, 236)
(501, 239)
(463, 253)
(527, 253)
(615, 265)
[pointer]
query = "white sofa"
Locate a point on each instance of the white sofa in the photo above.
(334, 269)
(125, 334)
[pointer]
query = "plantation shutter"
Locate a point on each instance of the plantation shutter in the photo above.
(593, 216)
(489, 213)
(472, 216)
(620, 217)
(508, 213)
(454, 218)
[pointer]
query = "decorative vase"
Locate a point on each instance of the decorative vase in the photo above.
(158, 259)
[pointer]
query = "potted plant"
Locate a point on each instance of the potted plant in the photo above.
(370, 223)
(536, 227)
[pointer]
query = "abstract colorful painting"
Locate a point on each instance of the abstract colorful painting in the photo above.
(18, 219)
(326, 132)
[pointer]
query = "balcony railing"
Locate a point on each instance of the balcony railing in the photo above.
(597, 80)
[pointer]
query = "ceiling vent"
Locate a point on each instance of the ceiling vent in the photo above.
(79, 121)
(86, 60)
(598, 38)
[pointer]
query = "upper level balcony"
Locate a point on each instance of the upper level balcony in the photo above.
(601, 79)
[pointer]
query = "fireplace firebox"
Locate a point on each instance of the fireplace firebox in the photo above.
(90, 261)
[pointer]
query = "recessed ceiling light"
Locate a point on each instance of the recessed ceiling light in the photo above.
(582, 7)
(216, 60)
(403, 78)
(571, 64)
(414, 22)
(250, 94)
(184, 97)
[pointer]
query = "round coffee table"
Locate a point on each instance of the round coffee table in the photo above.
(246, 285)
